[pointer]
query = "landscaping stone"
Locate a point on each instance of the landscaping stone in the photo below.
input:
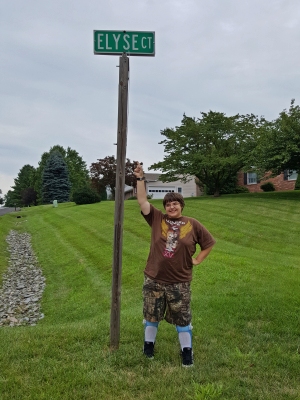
(23, 284)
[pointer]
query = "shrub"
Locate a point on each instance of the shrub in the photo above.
(267, 187)
(228, 188)
(297, 184)
(241, 189)
(86, 195)
(149, 197)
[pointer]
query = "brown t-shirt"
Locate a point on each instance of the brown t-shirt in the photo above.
(173, 243)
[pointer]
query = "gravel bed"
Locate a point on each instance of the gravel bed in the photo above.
(23, 284)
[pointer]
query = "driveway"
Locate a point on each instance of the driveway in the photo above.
(6, 210)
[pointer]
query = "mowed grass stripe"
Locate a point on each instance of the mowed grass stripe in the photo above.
(83, 234)
(239, 226)
(77, 265)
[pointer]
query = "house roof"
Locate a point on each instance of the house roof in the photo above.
(152, 176)
(128, 189)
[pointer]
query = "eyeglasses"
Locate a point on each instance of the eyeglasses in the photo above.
(172, 204)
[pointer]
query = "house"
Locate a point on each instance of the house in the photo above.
(128, 192)
(157, 189)
(284, 181)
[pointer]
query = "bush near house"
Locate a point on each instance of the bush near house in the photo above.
(241, 189)
(230, 188)
(297, 184)
(268, 187)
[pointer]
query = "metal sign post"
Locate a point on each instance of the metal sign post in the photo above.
(121, 43)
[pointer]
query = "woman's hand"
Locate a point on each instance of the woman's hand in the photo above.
(138, 171)
(202, 255)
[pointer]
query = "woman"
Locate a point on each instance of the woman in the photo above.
(168, 272)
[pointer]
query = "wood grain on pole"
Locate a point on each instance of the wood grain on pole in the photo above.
(119, 203)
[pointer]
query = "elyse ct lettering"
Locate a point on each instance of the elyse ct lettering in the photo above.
(118, 42)
(103, 42)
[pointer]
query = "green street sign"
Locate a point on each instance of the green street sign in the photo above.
(119, 42)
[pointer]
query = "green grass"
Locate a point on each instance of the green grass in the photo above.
(246, 306)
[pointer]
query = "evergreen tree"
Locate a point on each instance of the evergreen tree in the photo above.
(78, 172)
(40, 170)
(24, 181)
(9, 200)
(55, 180)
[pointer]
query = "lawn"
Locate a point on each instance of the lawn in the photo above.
(246, 306)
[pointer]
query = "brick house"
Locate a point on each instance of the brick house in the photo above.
(284, 181)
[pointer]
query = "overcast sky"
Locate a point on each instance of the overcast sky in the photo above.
(232, 56)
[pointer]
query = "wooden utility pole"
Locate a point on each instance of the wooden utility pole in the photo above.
(119, 202)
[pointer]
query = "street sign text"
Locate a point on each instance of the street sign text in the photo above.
(119, 42)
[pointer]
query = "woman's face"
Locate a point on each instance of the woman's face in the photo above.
(173, 209)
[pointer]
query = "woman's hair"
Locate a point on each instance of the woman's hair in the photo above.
(169, 197)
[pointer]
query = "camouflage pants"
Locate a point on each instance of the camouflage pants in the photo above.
(167, 301)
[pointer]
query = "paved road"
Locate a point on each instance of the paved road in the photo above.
(6, 210)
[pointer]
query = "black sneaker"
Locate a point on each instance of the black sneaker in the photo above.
(149, 349)
(187, 357)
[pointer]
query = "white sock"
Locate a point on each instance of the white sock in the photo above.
(185, 339)
(150, 334)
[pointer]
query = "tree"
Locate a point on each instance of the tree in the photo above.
(78, 171)
(9, 200)
(1, 200)
(24, 181)
(279, 147)
(29, 197)
(103, 174)
(213, 148)
(55, 182)
(40, 170)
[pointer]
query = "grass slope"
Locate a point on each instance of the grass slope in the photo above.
(245, 306)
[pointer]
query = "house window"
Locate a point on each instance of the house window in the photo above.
(292, 175)
(180, 190)
(251, 178)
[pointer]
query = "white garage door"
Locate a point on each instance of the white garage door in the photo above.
(159, 192)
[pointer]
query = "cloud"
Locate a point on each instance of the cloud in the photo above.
(232, 56)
